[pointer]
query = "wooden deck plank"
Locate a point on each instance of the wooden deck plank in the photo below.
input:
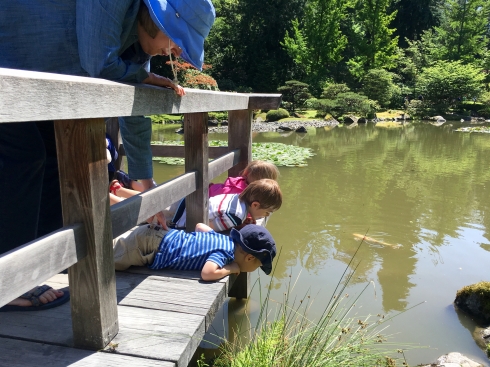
(162, 335)
(28, 354)
(171, 294)
(163, 315)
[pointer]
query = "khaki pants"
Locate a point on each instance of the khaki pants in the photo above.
(139, 247)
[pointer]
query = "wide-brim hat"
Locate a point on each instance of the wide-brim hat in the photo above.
(257, 241)
(186, 22)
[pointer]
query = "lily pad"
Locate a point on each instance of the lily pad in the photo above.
(278, 153)
(474, 129)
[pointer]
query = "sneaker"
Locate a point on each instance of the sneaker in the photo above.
(124, 179)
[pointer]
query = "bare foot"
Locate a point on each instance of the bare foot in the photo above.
(48, 296)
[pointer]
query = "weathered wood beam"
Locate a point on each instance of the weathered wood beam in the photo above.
(83, 182)
(264, 101)
(240, 137)
(128, 213)
(178, 151)
(223, 164)
(33, 263)
(196, 159)
(35, 96)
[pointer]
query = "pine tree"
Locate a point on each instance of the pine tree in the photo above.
(316, 42)
(463, 33)
(414, 17)
(374, 42)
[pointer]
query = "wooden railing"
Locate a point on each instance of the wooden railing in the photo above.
(78, 106)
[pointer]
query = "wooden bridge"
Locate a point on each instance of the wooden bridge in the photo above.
(139, 317)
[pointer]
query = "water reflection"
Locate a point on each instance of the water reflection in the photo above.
(420, 186)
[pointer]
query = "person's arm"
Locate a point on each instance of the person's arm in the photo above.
(201, 227)
(211, 270)
(161, 81)
(225, 222)
(100, 26)
(113, 199)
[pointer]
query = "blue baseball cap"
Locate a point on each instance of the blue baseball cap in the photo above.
(186, 22)
(257, 241)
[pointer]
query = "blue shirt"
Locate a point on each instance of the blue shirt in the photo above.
(190, 251)
(96, 38)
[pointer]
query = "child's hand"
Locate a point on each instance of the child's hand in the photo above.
(233, 268)
(178, 90)
(160, 218)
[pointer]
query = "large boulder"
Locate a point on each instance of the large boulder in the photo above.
(454, 360)
(301, 129)
(350, 119)
(475, 300)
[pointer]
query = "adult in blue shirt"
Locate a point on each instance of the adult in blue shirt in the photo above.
(98, 38)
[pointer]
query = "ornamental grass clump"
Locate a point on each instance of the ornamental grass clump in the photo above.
(288, 337)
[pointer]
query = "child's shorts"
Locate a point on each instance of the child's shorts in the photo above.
(139, 248)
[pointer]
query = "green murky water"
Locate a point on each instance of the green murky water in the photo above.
(423, 189)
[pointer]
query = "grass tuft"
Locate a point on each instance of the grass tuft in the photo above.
(285, 335)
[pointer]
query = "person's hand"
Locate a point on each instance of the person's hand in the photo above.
(160, 219)
(233, 268)
(178, 90)
(249, 220)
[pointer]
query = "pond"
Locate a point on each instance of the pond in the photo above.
(422, 192)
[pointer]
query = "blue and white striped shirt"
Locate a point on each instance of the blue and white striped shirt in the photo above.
(189, 251)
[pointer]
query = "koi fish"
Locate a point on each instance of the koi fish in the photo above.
(372, 240)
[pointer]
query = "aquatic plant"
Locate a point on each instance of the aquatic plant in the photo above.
(474, 129)
(278, 153)
(289, 337)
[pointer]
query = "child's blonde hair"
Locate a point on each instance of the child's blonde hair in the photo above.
(257, 170)
(266, 192)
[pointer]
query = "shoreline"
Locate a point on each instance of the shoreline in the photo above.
(259, 126)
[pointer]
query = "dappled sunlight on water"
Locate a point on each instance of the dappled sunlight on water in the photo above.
(422, 195)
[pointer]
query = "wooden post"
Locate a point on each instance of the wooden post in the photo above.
(196, 159)
(84, 197)
(240, 137)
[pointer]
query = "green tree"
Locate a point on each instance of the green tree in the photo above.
(332, 90)
(316, 42)
(338, 99)
(413, 17)
(374, 42)
(463, 33)
(296, 93)
(378, 84)
(442, 84)
(244, 44)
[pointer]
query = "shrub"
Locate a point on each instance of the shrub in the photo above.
(348, 102)
(442, 84)
(378, 85)
(295, 94)
(220, 116)
(418, 108)
(332, 90)
(276, 115)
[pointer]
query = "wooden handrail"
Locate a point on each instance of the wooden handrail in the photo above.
(78, 106)
(26, 266)
(36, 96)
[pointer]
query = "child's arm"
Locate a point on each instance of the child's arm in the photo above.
(211, 270)
(201, 227)
(161, 81)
